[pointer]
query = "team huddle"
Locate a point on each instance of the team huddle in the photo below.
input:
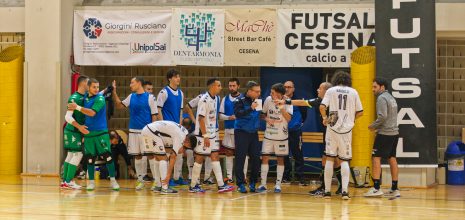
(159, 132)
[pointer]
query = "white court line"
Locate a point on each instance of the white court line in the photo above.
(242, 197)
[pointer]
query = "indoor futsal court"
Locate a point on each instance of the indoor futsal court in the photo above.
(232, 109)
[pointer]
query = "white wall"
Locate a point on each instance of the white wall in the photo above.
(48, 45)
(12, 19)
(450, 19)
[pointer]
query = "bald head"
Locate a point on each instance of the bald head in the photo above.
(323, 88)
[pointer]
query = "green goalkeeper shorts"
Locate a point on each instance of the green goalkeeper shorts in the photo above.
(97, 143)
(72, 141)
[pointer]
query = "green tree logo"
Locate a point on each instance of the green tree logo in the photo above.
(197, 29)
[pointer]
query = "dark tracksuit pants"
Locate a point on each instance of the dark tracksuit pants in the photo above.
(294, 139)
(246, 144)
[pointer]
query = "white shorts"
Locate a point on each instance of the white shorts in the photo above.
(214, 146)
(338, 145)
(135, 143)
(155, 143)
(278, 148)
(228, 139)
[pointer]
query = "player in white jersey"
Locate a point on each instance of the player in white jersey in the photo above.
(276, 134)
(162, 137)
(206, 130)
(344, 107)
(207, 179)
(227, 114)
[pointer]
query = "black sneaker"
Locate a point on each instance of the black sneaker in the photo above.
(303, 183)
(327, 195)
(339, 190)
(317, 192)
(345, 196)
(286, 181)
(208, 182)
(147, 178)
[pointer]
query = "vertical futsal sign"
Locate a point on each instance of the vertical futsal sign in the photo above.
(405, 55)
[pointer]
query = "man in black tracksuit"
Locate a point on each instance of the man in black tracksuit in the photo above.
(246, 136)
(295, 138)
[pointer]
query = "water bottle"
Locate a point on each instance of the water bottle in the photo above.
(358, 177)
(97, 173)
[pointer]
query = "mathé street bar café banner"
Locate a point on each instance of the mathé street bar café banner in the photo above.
(405, 56)
(250, 37)
(120, 38)
(322, 37)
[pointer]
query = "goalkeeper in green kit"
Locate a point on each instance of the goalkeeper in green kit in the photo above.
(72, 136)
(97, 141)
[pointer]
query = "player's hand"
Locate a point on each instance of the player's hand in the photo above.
(165, 181)
(206, 142)
(279, 102)
(83, 129)
(372, 129)
(325, 122)
(131, 173)
(181, 151)
(232, 117)
(113, 84)
(254, 105)
(72, 106)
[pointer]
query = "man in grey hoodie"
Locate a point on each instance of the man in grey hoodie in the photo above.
(387, 136)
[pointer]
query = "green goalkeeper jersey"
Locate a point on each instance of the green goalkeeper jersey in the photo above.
(80, 118)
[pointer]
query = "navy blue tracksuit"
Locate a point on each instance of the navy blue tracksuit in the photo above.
(246, 138)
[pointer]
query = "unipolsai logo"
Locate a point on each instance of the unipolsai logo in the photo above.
(148, 48)
(197, 29)
(92, 28)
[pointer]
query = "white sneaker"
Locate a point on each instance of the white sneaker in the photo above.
(74, 185)
(114, 185)
(373, 193)
(90, 186)
(140, 185)
(393, 193)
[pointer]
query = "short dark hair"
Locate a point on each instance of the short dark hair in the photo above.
(251, 84)
(139, 79)
(147, 83)
(193, 140)
(382, 82)
(171, 73)
(92, 80)
(341, 78)
(211, 81)
(81, 79)
(234, 80)
(279, 88)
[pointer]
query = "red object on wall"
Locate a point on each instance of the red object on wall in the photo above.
(74, 78)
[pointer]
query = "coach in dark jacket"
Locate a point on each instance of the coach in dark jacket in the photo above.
(295, 138)
(246, 136)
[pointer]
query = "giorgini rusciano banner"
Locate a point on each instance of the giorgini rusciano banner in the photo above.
(118, 38)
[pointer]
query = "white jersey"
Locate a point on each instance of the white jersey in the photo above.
(170, 132)
(193, 103)
(343, 103)
(207, 108)
(276, 124)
